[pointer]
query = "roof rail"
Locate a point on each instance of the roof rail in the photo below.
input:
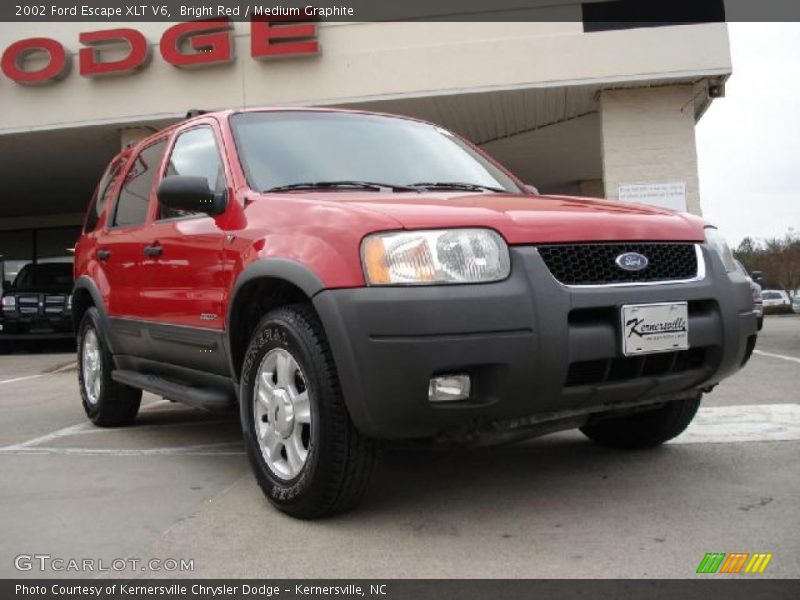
(195, 112)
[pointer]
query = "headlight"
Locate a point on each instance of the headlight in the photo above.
(9, 302)
(720, 246)
(435, 257)
(69, 302)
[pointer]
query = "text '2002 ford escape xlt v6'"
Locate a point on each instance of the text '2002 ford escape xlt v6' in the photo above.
(348, 277)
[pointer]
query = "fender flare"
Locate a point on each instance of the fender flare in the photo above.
(85, 283)
(289, 270)
(284, 269)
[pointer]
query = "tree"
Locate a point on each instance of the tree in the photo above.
(777, 258)
(783, 260)
(747, 249)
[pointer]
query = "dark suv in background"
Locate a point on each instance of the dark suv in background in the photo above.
(37, 305)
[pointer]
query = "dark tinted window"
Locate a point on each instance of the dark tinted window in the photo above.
(195, 153)
(44, 275)
(102, 194)
(135, 193)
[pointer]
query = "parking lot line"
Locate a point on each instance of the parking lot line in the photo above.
(61, 369)
(23, 378)
(48, 437)
(219, 449)
(747, 423)
(64, 431)
(781, 356)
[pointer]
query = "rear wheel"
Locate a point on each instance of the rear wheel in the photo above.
(644, 429)
(307, 455)
(106, 402)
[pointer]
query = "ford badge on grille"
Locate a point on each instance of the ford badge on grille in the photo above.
(632, 261)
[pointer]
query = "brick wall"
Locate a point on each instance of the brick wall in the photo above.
(648, 137)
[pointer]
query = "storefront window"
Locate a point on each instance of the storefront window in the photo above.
(26, 246)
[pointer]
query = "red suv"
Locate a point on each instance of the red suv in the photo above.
(347, 277)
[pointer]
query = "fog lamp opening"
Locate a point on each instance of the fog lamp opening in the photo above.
(449, 388)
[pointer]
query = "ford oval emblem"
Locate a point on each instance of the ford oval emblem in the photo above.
(632, 261)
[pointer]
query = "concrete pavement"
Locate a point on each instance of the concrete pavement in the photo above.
(177, 485)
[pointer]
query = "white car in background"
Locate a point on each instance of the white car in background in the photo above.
(796, 302)
(775, 298)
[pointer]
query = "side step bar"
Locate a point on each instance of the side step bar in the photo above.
(210, 399)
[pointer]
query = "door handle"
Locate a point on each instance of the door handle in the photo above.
(154, 250)
(103, 254)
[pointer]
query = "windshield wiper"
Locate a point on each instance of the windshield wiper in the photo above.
(456, 185)
(326, 185)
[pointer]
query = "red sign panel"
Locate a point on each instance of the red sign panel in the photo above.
(185, 45)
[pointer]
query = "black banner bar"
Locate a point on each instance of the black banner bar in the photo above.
(624, 12)
(710, 588)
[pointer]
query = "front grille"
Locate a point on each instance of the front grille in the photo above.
(28, 305)
(625, 368)
(54, 305)
(594, 264)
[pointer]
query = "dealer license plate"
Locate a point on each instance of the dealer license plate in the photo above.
(649, 328)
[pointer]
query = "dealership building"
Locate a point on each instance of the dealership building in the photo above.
(570, 106)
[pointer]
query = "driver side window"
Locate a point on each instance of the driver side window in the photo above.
(195, 153)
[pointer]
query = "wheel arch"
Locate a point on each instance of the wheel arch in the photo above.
(262, 286)
(85, 294)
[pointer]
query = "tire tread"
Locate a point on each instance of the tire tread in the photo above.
(351, 456)
(645, 429)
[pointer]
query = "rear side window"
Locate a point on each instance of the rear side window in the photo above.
(102, 194)
(195, 153)
(134, 197)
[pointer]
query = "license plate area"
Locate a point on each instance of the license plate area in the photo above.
(652, 328)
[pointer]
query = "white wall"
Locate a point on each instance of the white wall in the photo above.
(362, 62)
(648, 137)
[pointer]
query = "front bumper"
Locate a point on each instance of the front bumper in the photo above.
(533, 347)
(19, 327)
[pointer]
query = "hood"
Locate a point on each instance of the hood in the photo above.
(529, 219)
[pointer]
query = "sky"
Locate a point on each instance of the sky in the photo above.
(748, 143)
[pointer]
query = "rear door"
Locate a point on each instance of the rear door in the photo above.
(121, 245)
(182, 276)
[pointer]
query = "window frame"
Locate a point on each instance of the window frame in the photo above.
(165, 163)
(111, 223)
(118, 164)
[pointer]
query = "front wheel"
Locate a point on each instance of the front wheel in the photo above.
(308, 457)
(106, 402)
(644, 429)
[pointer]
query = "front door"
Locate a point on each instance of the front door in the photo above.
(182, 268)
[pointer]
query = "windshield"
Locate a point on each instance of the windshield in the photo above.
(46, 275)
(283, 148)
(772, 295)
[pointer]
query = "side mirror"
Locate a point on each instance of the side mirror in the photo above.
(191, 194)
(532, 189)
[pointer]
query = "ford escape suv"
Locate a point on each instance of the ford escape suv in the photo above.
(347, 277)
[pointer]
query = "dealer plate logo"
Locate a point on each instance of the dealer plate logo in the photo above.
(632, 261)
(662, 327)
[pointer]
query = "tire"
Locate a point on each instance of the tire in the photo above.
(332, 460)
(644, 429)
(106, 402)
